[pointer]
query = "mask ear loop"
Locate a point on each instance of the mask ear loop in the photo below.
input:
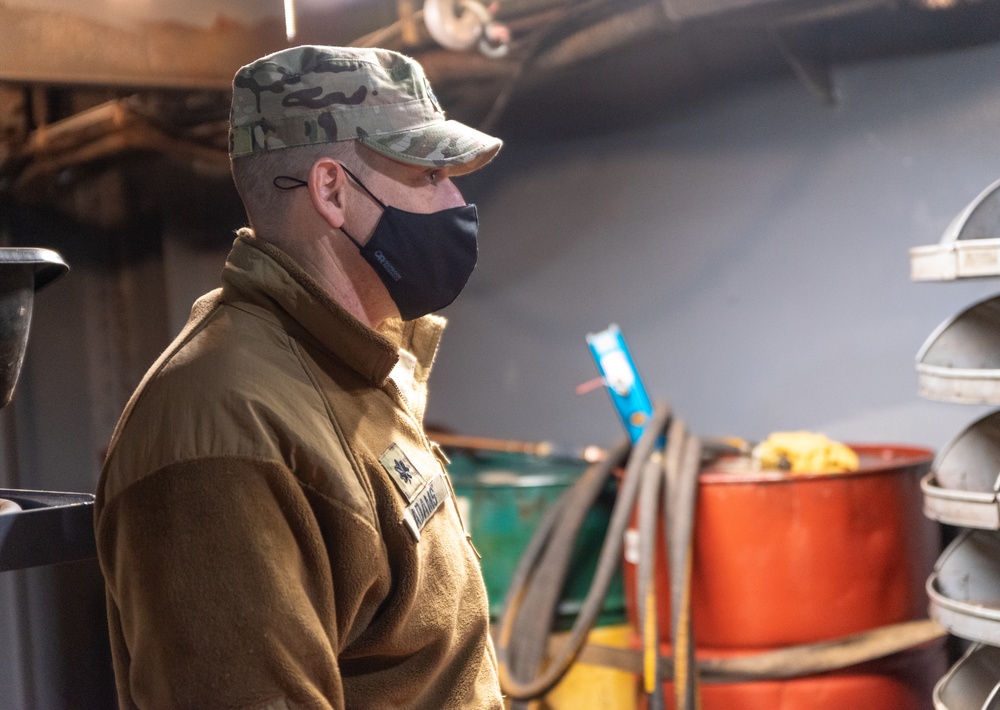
(287, 182)
(362, 185)
(370, 194)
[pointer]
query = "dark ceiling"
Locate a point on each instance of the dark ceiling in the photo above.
(73, 102)
(649, 66)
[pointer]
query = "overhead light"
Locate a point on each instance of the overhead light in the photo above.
(945, 4)
(290, 19)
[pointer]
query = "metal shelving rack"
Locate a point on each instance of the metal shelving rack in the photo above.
(960, 362)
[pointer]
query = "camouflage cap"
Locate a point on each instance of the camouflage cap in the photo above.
(311, 94)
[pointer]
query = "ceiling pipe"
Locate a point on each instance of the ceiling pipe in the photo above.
(610, 33)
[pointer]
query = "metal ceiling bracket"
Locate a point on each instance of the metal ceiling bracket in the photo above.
(461, 25)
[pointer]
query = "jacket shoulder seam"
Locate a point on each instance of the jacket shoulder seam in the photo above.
(277, 463)
(164, 360)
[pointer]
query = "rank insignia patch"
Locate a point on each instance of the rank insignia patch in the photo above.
(402, 471)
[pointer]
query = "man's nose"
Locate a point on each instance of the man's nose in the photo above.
(451, 194)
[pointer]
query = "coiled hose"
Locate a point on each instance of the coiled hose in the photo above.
(530, 602)
(651, 475)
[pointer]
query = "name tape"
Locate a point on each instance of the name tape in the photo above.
(431, 497)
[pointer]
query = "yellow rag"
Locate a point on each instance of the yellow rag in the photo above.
(804, 452)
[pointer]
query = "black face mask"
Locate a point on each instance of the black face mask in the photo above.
(424, 260)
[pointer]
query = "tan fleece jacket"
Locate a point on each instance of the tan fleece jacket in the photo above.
(250, 516)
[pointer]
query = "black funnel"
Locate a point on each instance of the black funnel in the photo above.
(22, 272)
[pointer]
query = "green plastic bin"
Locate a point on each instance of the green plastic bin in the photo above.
(503, 497)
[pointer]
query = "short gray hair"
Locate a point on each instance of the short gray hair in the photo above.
(266, 205)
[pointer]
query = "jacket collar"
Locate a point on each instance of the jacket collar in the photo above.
(259, 272)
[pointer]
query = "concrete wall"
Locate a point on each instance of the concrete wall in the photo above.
(753, 247)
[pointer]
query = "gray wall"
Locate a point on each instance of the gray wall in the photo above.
(753, 247)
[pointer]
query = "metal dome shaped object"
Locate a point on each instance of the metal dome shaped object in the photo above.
(960, 361)
(970, 246)
(964, 589)
(973, 683)
(46, 265)
(962, 487)
(22, 273)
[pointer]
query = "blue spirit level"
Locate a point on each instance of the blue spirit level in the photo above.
(621, 378)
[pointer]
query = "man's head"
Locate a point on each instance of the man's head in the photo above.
(308, 112)
(320, 97)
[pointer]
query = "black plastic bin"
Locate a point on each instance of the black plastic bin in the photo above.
(49, 529)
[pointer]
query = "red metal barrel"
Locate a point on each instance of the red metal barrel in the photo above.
(904, 681)
(783, 559)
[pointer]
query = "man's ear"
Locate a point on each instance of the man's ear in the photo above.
(328, 190)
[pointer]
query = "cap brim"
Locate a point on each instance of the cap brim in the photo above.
(445, 144)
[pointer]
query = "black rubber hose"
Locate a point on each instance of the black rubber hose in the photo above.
(683, 484)
(608, 562)
(526, 653)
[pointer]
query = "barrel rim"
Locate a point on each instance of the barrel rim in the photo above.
(897, 459)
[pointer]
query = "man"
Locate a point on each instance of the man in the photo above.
(274, 528)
